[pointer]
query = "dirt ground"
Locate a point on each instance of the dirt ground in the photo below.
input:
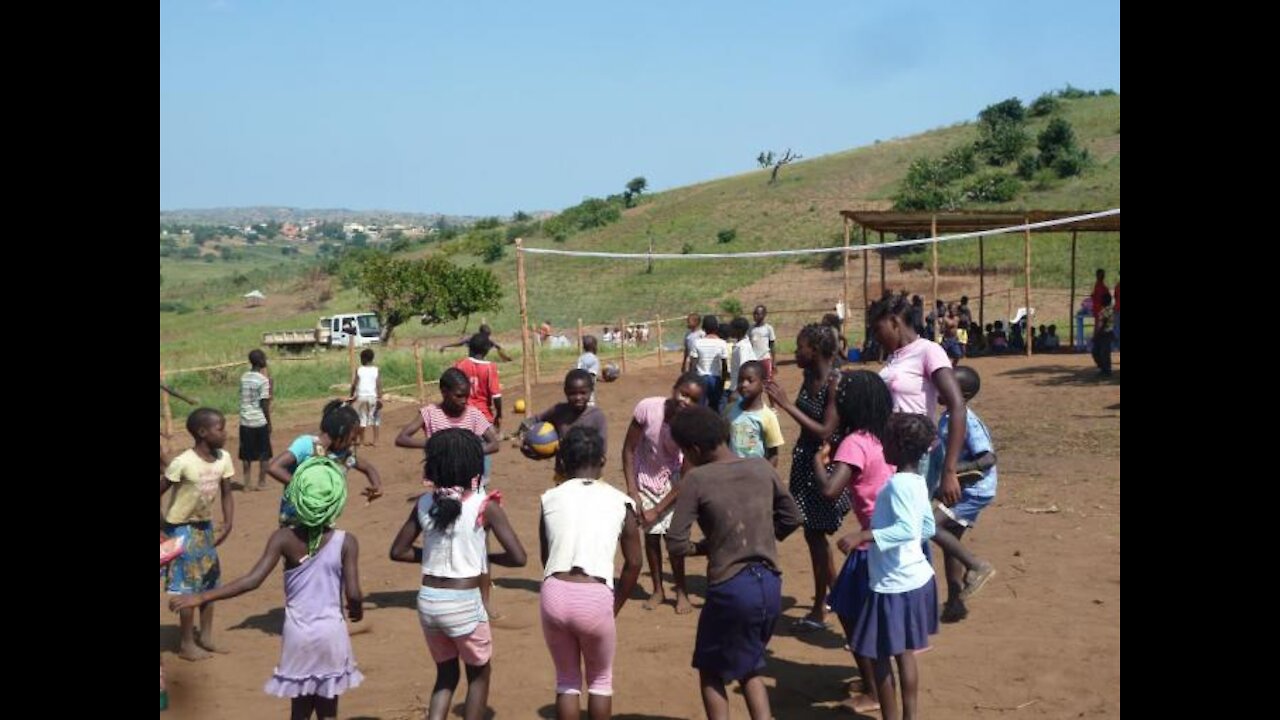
(1042, 639)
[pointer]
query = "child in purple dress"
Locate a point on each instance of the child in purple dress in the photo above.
(316, 662)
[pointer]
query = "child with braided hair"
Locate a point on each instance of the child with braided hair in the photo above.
(453, 519)
(320, 567)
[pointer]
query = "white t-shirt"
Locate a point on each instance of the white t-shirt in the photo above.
(709, 351)
(742, 352)
(367, 381)
(584, 519)
(761, 336)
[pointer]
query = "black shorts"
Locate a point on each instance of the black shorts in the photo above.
(255, 443)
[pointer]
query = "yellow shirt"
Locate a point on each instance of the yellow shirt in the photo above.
(199, 485)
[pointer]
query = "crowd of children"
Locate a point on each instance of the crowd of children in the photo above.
(868, 445)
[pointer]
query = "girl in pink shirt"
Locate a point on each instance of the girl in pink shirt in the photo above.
(858, 468)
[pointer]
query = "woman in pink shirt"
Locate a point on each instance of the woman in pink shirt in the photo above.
(919, 374)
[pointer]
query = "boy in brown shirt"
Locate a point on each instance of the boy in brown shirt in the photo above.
(742, 509)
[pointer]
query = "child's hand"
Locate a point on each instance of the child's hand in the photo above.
(949, 491)
(824, 454)
(371, 494)
(355, 610)
(649, 517)
(183, 602)
(776, 393)
(222, 535)
(848, 543)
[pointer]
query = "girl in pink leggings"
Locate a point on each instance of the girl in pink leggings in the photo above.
(453, 520)
(583, 521)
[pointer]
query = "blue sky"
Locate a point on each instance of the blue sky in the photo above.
(489, 107)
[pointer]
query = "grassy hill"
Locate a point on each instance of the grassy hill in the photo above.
(800, 211)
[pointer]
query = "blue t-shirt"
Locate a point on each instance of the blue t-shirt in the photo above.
(304, 447)
(977, 440)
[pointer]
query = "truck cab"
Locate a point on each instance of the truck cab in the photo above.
(363, 327)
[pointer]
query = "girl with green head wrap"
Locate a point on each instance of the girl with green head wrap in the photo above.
(319, 493)
(321, 573)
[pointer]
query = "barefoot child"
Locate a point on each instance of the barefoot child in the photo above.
(753, 426)
(320, 569)
(453, 519)
(202, 476)
(583, 521)
(742, 510)
(858, 468)
(651, 465)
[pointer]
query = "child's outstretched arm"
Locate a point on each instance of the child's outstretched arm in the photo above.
(355, 380)
(270, 556)
(491, 442)
(402, 548)
(351, 578)
(513, 556)
(374, 491)
(632, 559)
(501, 353)
(678, 534)
(406, 437)
(278, 468)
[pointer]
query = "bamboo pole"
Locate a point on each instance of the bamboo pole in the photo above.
(657, 328)
(866, 270)
(537, 363)
(881, 254)
(524, 326)
(844, 298)
(622, 341)
(933, 233)
(1071, 312)
(1026, 243)
(982, 283)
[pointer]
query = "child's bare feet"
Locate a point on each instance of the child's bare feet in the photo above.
(655, 600)
(208, 644)
(191, 651)
(683, 606)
